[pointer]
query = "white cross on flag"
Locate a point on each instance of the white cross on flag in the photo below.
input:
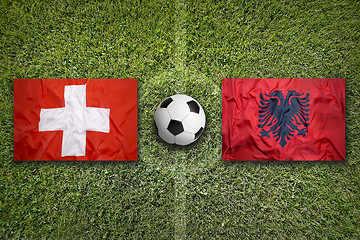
(75, 119)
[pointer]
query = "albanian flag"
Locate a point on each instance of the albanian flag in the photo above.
(75, 119)
(283, 119)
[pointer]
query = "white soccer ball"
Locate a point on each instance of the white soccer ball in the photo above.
(180, 120)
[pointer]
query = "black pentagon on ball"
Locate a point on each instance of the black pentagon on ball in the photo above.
(194, 107)
(175, 127)
(166, 102)
(199, 133)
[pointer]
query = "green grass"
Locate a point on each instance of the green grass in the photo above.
(180, 47)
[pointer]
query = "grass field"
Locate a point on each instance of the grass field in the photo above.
(180, 46)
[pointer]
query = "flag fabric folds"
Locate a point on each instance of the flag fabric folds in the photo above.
(75, 119)
(283, 119)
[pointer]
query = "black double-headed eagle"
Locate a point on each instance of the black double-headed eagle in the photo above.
(284, 116)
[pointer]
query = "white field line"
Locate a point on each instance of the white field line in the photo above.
(180, 218)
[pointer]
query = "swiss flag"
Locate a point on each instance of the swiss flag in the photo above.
(75, 119)
(283, 119)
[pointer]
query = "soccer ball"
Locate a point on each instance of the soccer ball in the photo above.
(180, 120)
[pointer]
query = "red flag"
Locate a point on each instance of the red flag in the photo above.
(75, 119)
(283, 119)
